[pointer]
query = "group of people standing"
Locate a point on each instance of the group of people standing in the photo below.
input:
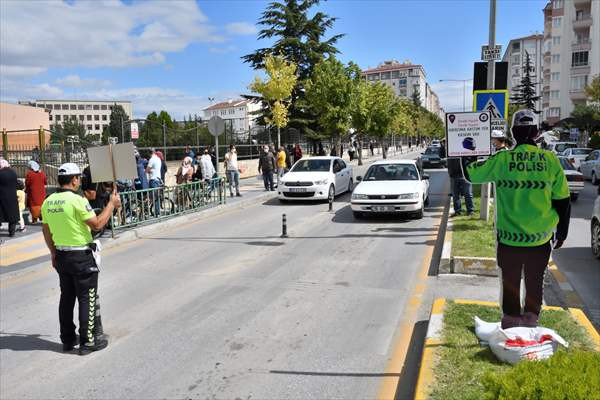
(280, 162)
(16, 195)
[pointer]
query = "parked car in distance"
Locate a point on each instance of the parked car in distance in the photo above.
(590, 166)
(436, 143)
(391, 186)
(432, 157)
(574, 178)
(595, 225)
(559, 147)
(316, 178)
(576, 154)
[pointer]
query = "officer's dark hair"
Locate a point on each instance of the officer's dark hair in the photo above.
(65, 179)
(524, 134)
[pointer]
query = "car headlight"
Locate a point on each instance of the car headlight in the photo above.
(358, 196)
(409, 196)
(321, 182)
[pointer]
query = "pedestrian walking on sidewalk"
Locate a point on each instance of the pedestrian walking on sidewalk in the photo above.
(35, 189)
(460, 187)
(67, 222)
(21, 201)
(532, 200)
(154, 170)
(232, 170)
(266, 165)
(280, 164)
(297, 152)
(9, 206)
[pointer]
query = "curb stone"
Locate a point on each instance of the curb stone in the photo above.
(433, 339)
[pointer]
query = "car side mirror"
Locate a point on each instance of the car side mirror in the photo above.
(425, 176)
(359, 178)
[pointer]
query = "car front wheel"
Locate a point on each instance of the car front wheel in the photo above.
(594, 179)
(350, 186)
(596, 238)
(574, 196)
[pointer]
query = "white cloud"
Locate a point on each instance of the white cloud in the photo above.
(46, 34)
(222, 50)
(75, 81)
(14, 71)
(451, 95)
(241, 28)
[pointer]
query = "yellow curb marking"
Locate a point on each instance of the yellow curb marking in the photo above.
(426, 376)
(580, 317)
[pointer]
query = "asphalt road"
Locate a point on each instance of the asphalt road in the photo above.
(575, 259)
(224, 308)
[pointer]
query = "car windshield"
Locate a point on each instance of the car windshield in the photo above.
(566, 164)
(563, 146)
(312, 166)
(392, 172)
(581, 152)
(432, 150)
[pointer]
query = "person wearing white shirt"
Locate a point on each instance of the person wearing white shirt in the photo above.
(154, 180)
(232, 171)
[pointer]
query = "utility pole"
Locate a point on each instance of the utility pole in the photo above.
(122, 131)
(197, 136)
(164, 129)
(484, 211)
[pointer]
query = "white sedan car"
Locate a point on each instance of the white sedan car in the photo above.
(576, 155)
(590, 167)
(316, 178)
(391, 186)
(574, 178)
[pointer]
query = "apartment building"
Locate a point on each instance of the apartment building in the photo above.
(405, 79)
(571, 55)
(94, 115)
(238, 115)
(516, 55)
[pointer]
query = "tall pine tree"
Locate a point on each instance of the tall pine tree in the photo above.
(300, 39)
(525, 93)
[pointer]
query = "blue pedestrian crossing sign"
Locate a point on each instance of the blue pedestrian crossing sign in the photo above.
(494, 101)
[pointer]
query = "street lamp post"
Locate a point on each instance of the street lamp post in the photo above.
(464, 81)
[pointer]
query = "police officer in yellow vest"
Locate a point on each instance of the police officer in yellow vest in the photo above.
(67, 218)
(533, 212)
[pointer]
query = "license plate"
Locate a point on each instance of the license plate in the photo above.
(297, 189)
(382, 208)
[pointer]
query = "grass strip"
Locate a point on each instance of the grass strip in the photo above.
(473, 237)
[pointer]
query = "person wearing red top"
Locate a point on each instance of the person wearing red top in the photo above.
(35, 189)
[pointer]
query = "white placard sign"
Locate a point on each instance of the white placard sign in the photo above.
(135, 133)
(101, 164)
(468, 134)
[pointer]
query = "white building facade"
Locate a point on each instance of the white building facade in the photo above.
(405, 79)
(571, 55)
(516, 55)
(93, 115)
(238, 115)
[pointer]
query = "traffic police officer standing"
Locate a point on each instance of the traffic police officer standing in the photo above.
(532, 201)
(67, 218)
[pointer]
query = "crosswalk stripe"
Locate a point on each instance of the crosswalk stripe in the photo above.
(23, 256)
(8, 248)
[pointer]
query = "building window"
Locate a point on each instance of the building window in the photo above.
(65, 106)
(96, 106)
(88, 106)
(402, 82)
(516, 72)
(579, 59)
(96, 127)
(96, 118)
(89, 127)
(385, 75)
(104, 117)
(110, 108)
(104, 107)
(556, 22)
(104, 127)
(80, 107)
(73, 117)
(578, 82)
(516, 59)
(395, 74)
(555, 58)
(554, 94)
(554, 112)
(58, 117)
(516, 47)
(81, 117)
(73, 106)
(555, 76)
(557, 4)
(555, 40)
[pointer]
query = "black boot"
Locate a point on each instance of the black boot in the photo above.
(97, 345)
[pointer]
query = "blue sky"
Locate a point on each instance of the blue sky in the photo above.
(173, 55)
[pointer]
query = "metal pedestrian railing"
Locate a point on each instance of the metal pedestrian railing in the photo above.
(152, 205)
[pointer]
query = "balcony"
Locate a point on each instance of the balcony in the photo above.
(577, 94)
(580, 69)
(582, 45)
(585, 21)
(582, 2)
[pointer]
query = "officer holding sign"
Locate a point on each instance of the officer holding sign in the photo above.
(67, 218)
(533, 212)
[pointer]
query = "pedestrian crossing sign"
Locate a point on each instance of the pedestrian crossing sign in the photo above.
(494, 101)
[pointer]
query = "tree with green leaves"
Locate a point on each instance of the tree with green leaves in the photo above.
(300, 39)
(586, 117)
(525, 93)
(71, 127)
(331, 93)
(118, 116)
(592, 90)
(416, 96)
(277, 90)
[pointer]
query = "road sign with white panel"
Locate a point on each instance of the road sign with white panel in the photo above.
(468, 134)
(496, 103)
(491, 53)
